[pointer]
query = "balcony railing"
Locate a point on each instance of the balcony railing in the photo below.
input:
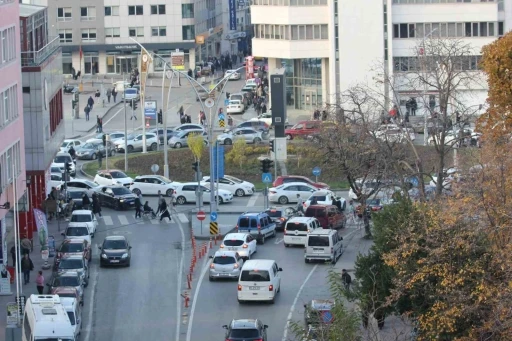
(35, 58)
(5, 2)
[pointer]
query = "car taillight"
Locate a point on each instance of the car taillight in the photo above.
(284, 231)
(245, 246)
(221, 246)
(270, 287)
(239, 287)
(282, 219)
(236, 266)
(332, 250)
(236, 227)
(229, 340)
(259, 227)
(212, 266)
(258, 340)
(308, 231)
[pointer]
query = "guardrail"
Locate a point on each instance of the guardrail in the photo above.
(34, 58)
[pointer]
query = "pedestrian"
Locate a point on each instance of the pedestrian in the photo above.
(352, 211)
(181, 111)
(86, 202)
(26, 267)
(300, 204)
(97, 124)
(138, 206)
(97, 94)
(100, 157)
(73, 73)
(13, 255)
(96, 207)
(188, 119)
(101, 125)
(109, 94)
(72, 152)
(172, 200)
(164, 210)
(114, 94)
(346, 279)
(87, 110)
(324, 115)
(230, 120)
(26, 246)
(90, 102)
(40, 282)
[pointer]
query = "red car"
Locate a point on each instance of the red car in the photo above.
(303, 129)
(282, 179)
(67, 292)
(72, 247)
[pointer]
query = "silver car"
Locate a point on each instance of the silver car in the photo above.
(131, 94)
(225, 264)
(180, 140)
(247, 134)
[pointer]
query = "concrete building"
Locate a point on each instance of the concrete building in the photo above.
(12, 146)
(41, 66)
(102, 29)
(222, 27)
(327, 46)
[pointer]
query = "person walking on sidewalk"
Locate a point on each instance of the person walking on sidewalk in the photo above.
(109, 93)
(26, 267)
(346, 279)
(101, 125)
(13, 255)
(165, 211)
(114, 94)
(98, 124)
(40, 282)
(90, 102)
(26, 246)
(87, 111)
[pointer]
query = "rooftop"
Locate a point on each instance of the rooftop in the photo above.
(30, 10)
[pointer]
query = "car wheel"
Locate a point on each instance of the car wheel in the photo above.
(128, 264)
(283, 200)
(154, 147)
(279, 289)
(136, 191)
(241, 302)
(289, 137)
(93, 156)
(112, 153)
(181, 200)
(286, 245)
(239, 192)
(130, 149)
(274, 233)
(262, 240)
(220, 201)
(334, 259)
(257, 140)
(210, 279)
(117, 206)
(177, 145)
(169, 192)
(306, 260)
(228, 141)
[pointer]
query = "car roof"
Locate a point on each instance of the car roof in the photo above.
(300, 219)
(250, 214)
(322, 232)
(322, 192)
(322, 304)
(67, 274)
(320, 206)
(296, 183)
(225, 254)
(82, 212)
(236, 236)
(64, 290)
(259, 263)
(244, 324)
(115, 238)
(107, 171)
(73, 241)
(74, 257)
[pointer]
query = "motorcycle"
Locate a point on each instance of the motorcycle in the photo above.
(69, 89)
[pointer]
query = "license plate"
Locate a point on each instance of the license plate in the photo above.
(232, 249)
(318, 250)
(132, 203)
(295, 238)
(114, 261)
(254, 288)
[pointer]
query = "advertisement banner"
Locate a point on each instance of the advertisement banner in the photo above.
(232, 15)
(218, 162)
(42, 227)
(150, 109)
(178, 60)
(12, 315)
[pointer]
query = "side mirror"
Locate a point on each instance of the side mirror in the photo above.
(129, 247)
(211, 257)
(225, 326)
(341, 238)
(265, 326)
(280, 269)
(63, 234)
(99, 247)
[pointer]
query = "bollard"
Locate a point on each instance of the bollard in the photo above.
(211, 244)
(215, 239)
(188, 284)
(186, 301)
(200, 254)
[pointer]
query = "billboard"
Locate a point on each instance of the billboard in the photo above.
(150, 109)
(178, 60)
(232, 15)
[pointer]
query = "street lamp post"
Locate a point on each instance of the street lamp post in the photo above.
(425, 89)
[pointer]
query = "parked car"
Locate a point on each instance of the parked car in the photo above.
(136, 142)
(280, 216)
(114, 136)
(73, 263)
(66, 144)
(233, 75)
(394, 133)
(239, 96)
(117, 197)
(131, 94)
(152, 184)
(68, 292)
(115, 250)
(112, 177)
(266, 118)
(287, 193)
(247, 134)
(186, 193)
(234, 185)
(83, 184)
(284, 179)
(329, 216)
(66, 279)
(181, 139)
(163, 135)
(303, 129)
(187, 126)
(74, 247)
(235, 106)
(91, 150)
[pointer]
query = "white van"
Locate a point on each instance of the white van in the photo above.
(323, 244)
(46, 318)
(297, 228)
(259, 281)
(74, 313)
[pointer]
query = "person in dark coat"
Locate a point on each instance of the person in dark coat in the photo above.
(96, 208)
(26, 267)
(138, 205)
(90, 102)
(164, 209)
(346, 279)
(86, 202)
(72, 152)
(13, 255)
(114, 94)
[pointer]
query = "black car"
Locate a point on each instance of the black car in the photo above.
(280, 215)
(246, 330)
(318, 312)
(117, 197)
(77, 197)
(115, 250)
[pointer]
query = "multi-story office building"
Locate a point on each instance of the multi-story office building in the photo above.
(102, 30)
(12, 161)
(329, 45)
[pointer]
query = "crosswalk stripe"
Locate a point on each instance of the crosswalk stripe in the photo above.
(155, 221)
(183, 218)
(107, 220)
(123, 220)
(253, 199)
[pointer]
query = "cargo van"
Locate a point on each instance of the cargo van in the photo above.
(46, 318)
(297, 228)
(329, 216)
(323, 244)
(74, 313)
(259, 280)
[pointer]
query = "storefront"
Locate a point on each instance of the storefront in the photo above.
(304, 83)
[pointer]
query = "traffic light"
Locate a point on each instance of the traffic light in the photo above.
(195, 166)
(134, 106)
(266, 165)
(104, 138)
(67, 167)
(160, 121)
(130, 103)
(272, 146)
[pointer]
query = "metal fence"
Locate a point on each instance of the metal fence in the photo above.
(34, 58)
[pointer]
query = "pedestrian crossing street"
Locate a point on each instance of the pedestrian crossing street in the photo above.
(129, 219)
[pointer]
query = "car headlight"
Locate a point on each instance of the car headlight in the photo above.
(104, 256)
(125, 255)
(121, 200)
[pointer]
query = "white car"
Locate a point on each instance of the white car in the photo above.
(113, 137)
(233, 75)
(151, 184)
(225, 264)
(235, 106)
(234, 185)
(366, 187)
(243, 243)
(186, 193)
(287, 193)
(87, 186)
(60, 161)
(450, 175)
(394, 133)
(251, 82)
(112, 177)
(135, 142)
(323, 197)
(56, 181)
(131, 94)
(84, 218)
(66, 144)
(453, 136)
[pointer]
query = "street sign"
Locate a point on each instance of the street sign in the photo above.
(201, 215)
(218, 162)
(266, 178)
(150, 108)
(155, 168)
(222, 123)
(327, 316)
(209, 103)
(12, 314)
(214, 228)
(317, 171)
(213, 216)
(221, 116)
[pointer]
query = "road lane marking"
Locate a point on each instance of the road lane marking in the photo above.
(253, 199)
(123, 220)
(91, 301)
(292, 309)
(110, 119)
(107, 220)
(183, 218)
(279, 241)
(155, 221)
(179, 281)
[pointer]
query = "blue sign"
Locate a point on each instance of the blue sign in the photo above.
(317, 171)
(218, 162)
(266, 178)
(213, 216)
(327, 316)
(150, 109)
(232, 15)
(226, 102)
(414, 181)
(221, 116)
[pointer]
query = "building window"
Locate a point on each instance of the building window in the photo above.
(157, 9)
(87, 13)
(64, 14)
(187, 11)
(91, 60)
(67, 63)
(112, 32)
(8, 45)
(136, 10)
(464, 63)
(158, 31)
(111, 62)
(66, 36)
(188, 32)
(500, 28)
(136, 31)
(111, 11)
(444, 30)
(89, 34)
(8, 105)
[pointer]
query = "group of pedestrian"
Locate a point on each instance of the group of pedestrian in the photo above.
(320, 115)
(184, 118)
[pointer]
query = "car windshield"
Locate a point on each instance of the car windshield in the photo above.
(55, 170)
(121, 191)
(296, 227)
(233, 242)
(223, 260)
(51, 339)
(114, 245)
(232, 178)
(318, 241)
(118, 175)
(77, 231)
(244, 333)
(66, 281)
(318, 197)
(90, 145)
(274, 213)
(81, 218)
(131, 91)
(64, 144)
(75, 195)
(71, 264)
(255, 276)
(374, 202)
(67, 295)
(62, 159)
(182, 133)
(71, 316)
(72, 247)
(90, 184)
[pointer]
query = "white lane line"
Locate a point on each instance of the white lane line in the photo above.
(110, 119)
(183, 218)
(253, 199)
(122, 219)
(107, 220)
(292, 309)
(88, 328)
(179, 281)
(196, 294)
(279, 241)
(155, 221)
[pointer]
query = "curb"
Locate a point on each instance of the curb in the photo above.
(104, 114)
(83, 172)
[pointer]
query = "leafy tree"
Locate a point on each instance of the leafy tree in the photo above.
(196, 145)
(238, 153)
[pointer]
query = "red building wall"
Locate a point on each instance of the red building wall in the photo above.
(37, 194)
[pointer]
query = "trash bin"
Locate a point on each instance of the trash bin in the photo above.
(11, 271)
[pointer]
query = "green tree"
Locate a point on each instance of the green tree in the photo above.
(238, 153)
(196, 144)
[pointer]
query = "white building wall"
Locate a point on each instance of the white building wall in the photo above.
(290, 15)
(452, 12)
